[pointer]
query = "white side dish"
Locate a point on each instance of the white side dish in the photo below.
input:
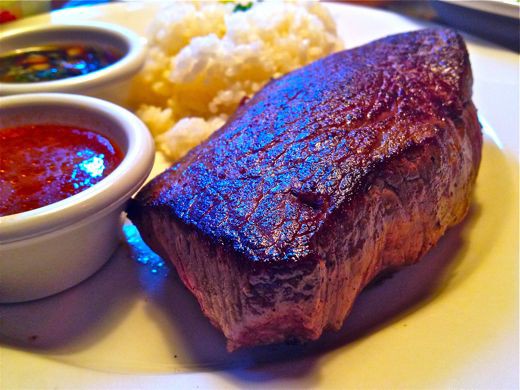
(51, 248)
(111, 83)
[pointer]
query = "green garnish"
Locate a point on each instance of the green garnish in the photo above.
(242, 7)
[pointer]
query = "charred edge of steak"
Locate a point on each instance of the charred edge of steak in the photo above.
(406, 208)
(402, 152)
(266, 183)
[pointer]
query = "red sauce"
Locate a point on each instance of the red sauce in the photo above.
(43, 164)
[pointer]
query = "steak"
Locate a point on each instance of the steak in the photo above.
(352, 165)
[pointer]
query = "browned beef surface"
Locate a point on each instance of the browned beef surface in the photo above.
(351, 165)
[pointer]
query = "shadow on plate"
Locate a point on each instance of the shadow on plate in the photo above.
(76, 318)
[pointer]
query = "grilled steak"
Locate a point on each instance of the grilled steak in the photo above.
(354, 164)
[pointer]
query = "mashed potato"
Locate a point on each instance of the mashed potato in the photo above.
(205, 57)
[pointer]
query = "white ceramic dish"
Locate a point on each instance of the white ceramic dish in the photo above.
(449, 322)
(52, 248)
(110, 83)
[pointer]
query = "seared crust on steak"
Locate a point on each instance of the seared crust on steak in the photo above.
(331, 174)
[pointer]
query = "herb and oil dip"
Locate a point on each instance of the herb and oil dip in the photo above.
(54, 62)
(45, 163)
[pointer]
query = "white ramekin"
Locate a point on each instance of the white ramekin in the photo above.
(52, 248)
(110, 83)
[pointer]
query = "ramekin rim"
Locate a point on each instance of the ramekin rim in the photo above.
(130, 63)
(134, 169)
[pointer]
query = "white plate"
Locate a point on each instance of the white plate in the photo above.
(450, 321)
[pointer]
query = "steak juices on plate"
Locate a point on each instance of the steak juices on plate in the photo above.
(354, 164)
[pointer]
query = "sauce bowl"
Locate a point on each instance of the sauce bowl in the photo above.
(110, 83)
(51, 248)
